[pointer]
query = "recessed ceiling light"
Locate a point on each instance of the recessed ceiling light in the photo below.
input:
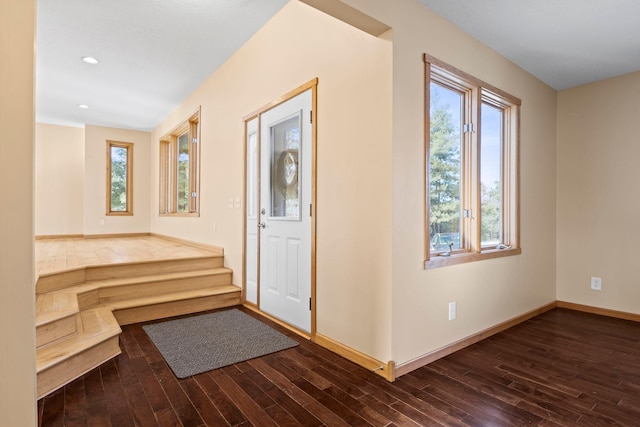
(83, 106)
(90, 60)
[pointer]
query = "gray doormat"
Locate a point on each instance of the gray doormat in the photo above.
(192, 345)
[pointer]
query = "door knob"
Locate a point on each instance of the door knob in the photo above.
(262, 225)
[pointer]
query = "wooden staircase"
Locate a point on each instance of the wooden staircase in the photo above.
(79, 311)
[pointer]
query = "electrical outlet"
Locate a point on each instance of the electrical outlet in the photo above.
(453, 308)
(102, 222)
(215, 226)
(596, 283)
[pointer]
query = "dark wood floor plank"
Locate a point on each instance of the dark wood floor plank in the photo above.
(97, 406)
(184, 409)
(243, 402)
(388, 412)
(53, 413)
(471, 400)
(139, 405)
(275, 376)
(326, 415)
(558, 369)
(281, 417)
(126, 370)
(74, 404)
(205, 407)
(369, 415)
(40, 409)
(168, 418)
(281, 397)
(228, 409)
(579, 403)
(335, 406)
(436, 409)
(207, 383)
(256, 394)
(338, 379)
(153, 390)
(114, 394)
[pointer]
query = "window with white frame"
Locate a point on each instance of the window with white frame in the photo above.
(471, 165)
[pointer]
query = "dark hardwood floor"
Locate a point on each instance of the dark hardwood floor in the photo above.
(562, 368)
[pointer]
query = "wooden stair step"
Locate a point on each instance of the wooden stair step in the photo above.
(55, 317)
(93, 326)
(52, 306)
(49, 282)
(157, 277)
(79, 311)
(175, 304)
(148, 286)
(95, 342)
(157, 266)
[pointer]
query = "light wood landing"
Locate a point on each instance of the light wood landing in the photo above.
(54, 255)
(79, 310)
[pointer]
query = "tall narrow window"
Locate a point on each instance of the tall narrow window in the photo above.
(491, 176)
(183, 173)
(119, 178)
(179, 169)
(471, 168)
(445, 166)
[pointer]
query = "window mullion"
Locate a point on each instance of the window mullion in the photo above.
(173, 182)
(164, 177)
(476, 201)
(193, 164)
(510, 179)
(471, 203)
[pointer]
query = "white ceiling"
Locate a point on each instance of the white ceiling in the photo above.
(154, 53)
(564, 43)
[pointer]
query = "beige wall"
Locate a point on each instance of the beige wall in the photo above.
(373, 293)
(95, 192)
(354, 161)
(598, 194)
(487, 292)
(59, 180)
(17, 317)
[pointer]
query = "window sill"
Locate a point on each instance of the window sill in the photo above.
(445, 261)
(185, 214)
(115, 213)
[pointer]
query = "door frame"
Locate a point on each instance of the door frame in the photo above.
(313, 86)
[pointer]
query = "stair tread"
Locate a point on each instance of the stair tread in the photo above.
(175, 296)
(54, 306)
(94, 326)
(153, 278)
(129, 263)
(98, 284)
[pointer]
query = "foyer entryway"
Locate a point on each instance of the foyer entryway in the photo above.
(280, 208)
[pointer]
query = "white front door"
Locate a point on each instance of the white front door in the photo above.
(285, 211)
